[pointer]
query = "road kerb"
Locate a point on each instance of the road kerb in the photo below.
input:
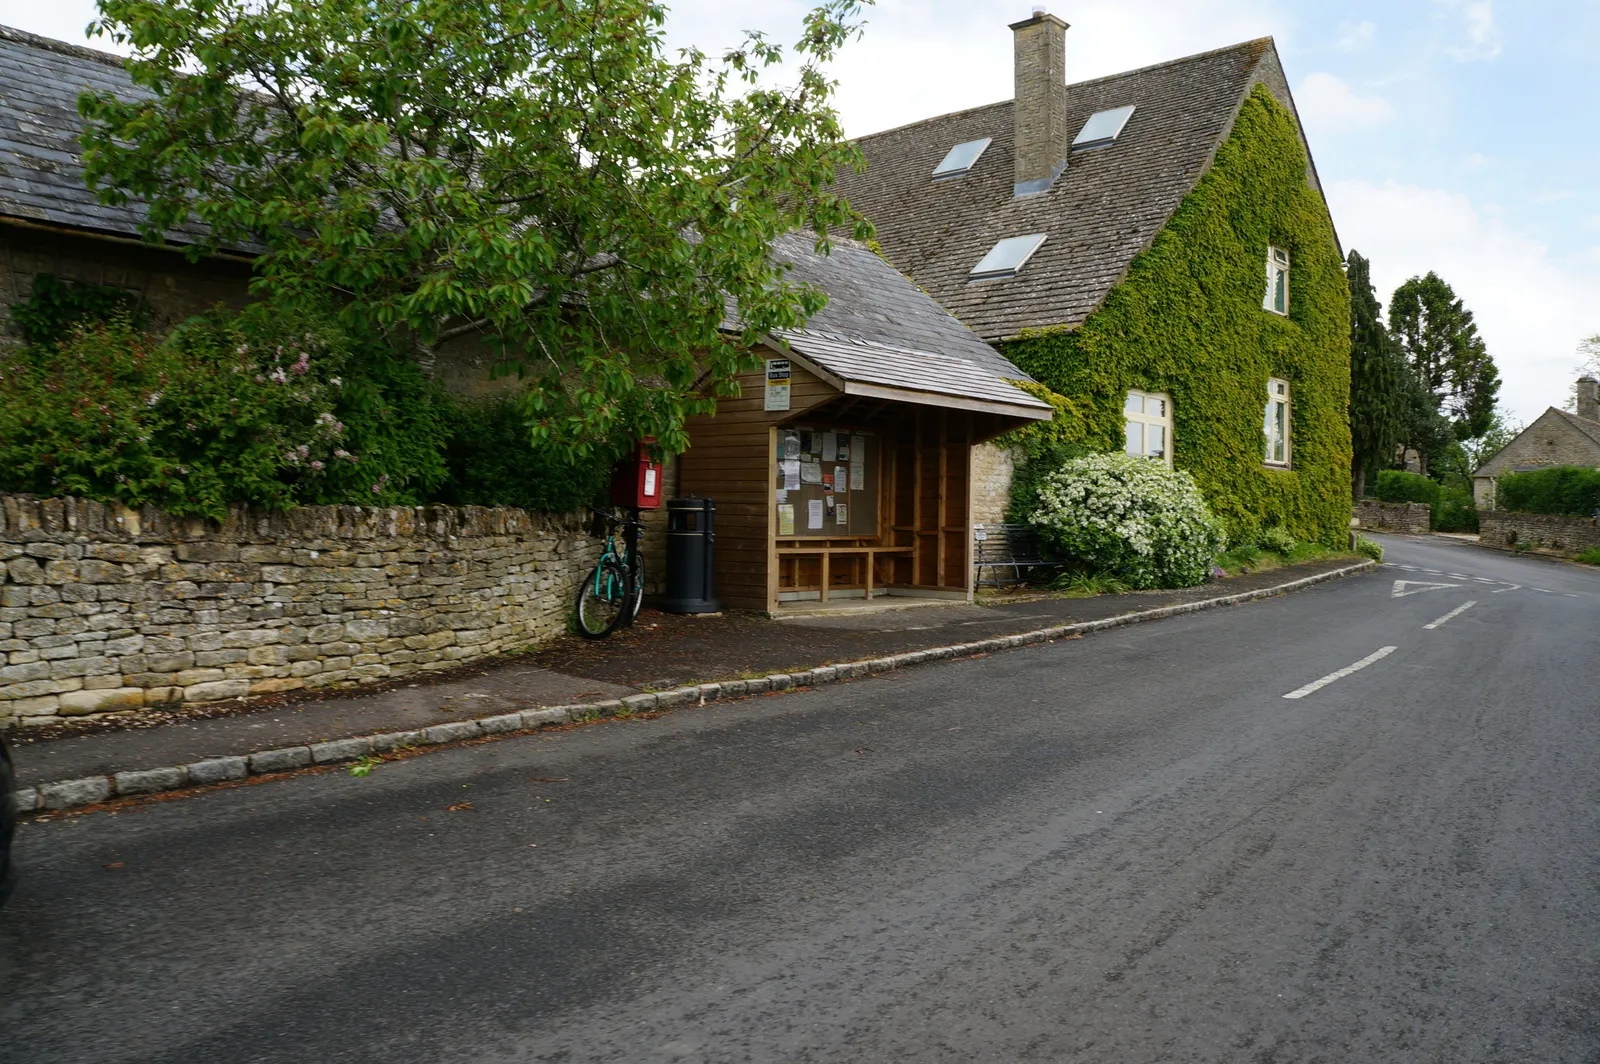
(71, 794)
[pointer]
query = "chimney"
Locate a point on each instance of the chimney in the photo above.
(1589, 398)
(1039, 112)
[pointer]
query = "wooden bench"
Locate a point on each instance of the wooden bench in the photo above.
(1004, 547)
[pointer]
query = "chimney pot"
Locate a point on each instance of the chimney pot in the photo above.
(1588, 398)
(1039, 108)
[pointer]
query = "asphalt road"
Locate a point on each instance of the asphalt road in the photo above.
(1130, 847)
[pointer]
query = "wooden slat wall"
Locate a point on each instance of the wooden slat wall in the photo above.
(925, 499)
(730, 459)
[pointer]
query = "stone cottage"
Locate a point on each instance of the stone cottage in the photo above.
(1155, 247)
(1556, 437)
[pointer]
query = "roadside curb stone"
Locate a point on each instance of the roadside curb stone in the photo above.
(217, 770)
(149, 781)
(91, 790)
(283, 760)
(341, 749)
(452, 732)
(70, 793)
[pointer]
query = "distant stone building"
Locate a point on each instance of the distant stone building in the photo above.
(1555, 438)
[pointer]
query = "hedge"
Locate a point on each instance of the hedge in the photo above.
(1187, 320)
(1572, 491)
(1395, 485)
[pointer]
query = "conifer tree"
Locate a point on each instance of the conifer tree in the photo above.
(1445, 352)
(1379, 398)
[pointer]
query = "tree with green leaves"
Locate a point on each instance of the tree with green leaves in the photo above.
(1446, 353)
(537, 175)
(1379, 380)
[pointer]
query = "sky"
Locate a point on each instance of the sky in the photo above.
(1459, 136)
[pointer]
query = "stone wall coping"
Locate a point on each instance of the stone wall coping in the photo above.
(26, 518)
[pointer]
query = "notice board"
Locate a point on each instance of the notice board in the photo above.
(825, 485)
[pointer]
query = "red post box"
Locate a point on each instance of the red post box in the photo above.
(636, 479)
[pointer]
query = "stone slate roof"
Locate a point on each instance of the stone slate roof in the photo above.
(1502, 461)
(870, 300)
(1100, 213)
(41, 178)
(865, 362)
(879, 328)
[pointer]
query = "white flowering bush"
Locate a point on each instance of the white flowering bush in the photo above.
(1130, 517)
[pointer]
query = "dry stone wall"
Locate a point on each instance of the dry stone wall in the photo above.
(1414, 518)
(1502, 528)
(108, 610)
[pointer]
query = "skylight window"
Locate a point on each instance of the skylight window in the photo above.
(960, 159)
(1103, 127)
(1006, 257)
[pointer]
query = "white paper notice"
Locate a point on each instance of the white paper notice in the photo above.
(841, 478)
(778, 375)
(791, 443)
(783, 495)
(830, 446)
(786, 519)
(841, 513)
(791, 473)
(814, 514)
(858, 463)
(810, 472)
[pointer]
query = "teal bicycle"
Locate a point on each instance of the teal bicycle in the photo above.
(612, 594)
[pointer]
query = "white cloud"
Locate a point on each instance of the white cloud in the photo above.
(1328, 103)
(1354, 37)
(1483, 36)
(1532, 308)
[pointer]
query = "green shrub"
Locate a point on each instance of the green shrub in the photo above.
(1395, 485)
(1370, 548)
(492, 462)
(1276, 540)
(1590, 556)
(257, 407)
(1573, 491)
(56, 306)
(1131, 518)
(1455, 512)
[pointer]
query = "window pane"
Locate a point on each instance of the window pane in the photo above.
(1155, 406)
(1103, 127)
(1266, 424)
(1280, 417)
(1280, 292)
(1006, 257)
(1135, 443)
(1134, 405)
(1155, 438)
(961, 158)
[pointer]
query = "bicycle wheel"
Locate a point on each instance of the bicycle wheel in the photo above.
(637, 601)
(603, 599)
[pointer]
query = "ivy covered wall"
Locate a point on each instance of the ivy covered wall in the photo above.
(1188, 321)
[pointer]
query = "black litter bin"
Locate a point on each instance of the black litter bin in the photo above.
(691, 545)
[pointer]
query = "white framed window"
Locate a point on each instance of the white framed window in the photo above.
(1149, 425)
(1277, 297)
(1275, 423)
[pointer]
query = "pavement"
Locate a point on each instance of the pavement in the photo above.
(662, 651)
(1130, 847)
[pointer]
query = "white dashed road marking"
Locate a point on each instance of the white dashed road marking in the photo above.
(1458, 611)
(1314, 687)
